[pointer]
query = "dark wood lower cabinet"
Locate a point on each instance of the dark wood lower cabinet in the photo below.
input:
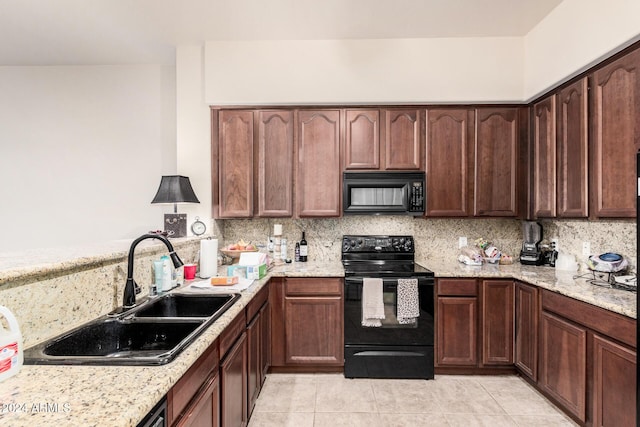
(233, 384)
(253, 363)
(526, 334)
(457, 343)
(205, 411)
(614, 368)
(497, 322)
(258, 350)
(563, 370)
(307, 321)
(195, 399)
(313, 330)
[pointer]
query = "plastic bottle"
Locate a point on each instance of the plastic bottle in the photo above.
(11, 350)
(156, 287)
(167, 274)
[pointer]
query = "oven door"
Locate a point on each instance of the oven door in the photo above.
(393, 350)
(391, 332)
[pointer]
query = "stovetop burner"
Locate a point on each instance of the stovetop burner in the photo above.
(381, 256)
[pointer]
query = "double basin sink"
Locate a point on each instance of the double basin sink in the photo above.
(153, 333)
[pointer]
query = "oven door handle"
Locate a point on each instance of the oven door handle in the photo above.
(422, 281)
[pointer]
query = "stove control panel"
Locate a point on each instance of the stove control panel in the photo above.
(403, 244)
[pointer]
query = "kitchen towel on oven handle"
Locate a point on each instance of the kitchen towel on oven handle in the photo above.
(372, 304)
(408, 303)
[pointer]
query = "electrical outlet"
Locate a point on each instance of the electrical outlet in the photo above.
(555, 243)
(586, 249)
(462, 242)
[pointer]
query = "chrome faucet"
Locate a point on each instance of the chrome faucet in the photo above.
(131, 288)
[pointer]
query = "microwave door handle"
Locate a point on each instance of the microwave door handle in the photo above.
(406, 203)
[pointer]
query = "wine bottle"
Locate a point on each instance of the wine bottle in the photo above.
(303, 249)
(297, 252)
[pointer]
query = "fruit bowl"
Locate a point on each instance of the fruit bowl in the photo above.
(235, 254)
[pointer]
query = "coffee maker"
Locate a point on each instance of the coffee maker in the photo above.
(531, 254)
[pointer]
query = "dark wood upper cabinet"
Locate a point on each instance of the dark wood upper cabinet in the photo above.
(402, 133)
(449, 148)
(275, 163)
(573, 150)
(615, 136)
(318, 176)
(496, 159)
(544, 158)
(234, 168)
(362, 139)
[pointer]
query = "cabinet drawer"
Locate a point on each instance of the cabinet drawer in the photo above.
(458, 287)
(614, 325)
(232, 332)
(188, 386)
(313, 286)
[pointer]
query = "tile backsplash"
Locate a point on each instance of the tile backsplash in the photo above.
(436, 238)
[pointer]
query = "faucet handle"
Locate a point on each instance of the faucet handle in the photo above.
(136, 287)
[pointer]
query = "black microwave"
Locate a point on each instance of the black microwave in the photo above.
(383, 193)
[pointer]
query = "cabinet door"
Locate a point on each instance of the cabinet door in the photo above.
(318, 163)
(362, 139)
(314, 331)
(205, 411)
(402, 139)
(275, 163)
(449, 147)
(497, 322)
(457, 331)
(526, 342)
(573, 155)
(544, 158)
(233, 384)
(235, 164)
(615, 120)
(254, 368)
(496, 151)
(614, 384)
(563, 358)
(265, 341)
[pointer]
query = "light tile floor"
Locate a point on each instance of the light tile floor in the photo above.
(330, 400)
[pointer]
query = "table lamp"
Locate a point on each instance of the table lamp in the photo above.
(175, 189)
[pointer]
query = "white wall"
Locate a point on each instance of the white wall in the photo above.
(574, 36)
(194, 132)
(82, 152)
(445, 70)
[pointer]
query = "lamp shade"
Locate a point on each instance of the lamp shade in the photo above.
(175, 189)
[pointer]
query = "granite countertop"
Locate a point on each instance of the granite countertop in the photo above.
(119, 395)
(616, 300)
(123, 395)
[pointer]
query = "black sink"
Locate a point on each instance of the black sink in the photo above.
(185, 305)
(113, 341)
(152, 334)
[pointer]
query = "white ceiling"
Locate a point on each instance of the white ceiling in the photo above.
(56, 32)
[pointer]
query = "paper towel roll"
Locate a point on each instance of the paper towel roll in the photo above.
(208, 258)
